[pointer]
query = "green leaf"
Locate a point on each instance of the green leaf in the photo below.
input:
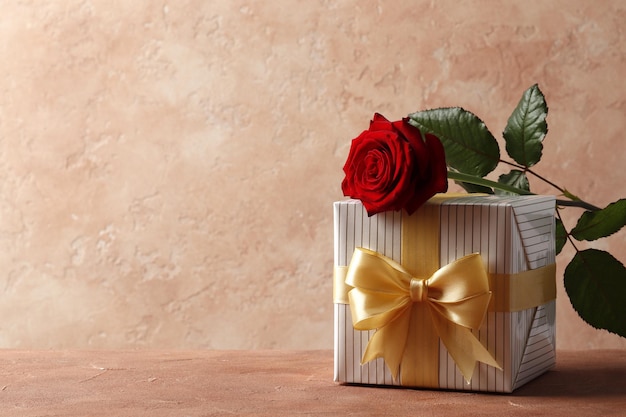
(596, 284)
(470, 147)
(484, 182)
(560, 236)
(475, 188)
(514, 178)
(527, 128)
(594, 225)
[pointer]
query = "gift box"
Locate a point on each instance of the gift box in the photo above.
(459, 295)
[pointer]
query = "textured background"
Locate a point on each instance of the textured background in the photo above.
(167, 169)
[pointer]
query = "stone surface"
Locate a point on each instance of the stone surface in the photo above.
(277, 383)
(167, 169)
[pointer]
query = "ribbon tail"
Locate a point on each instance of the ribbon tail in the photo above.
(463, 346)
(389, 343)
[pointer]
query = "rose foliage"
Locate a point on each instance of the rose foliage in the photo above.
(594, 279)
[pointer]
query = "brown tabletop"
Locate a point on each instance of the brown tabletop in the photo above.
(277, 383)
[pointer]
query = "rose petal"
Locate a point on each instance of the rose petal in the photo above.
(414, 136)
(379, 122)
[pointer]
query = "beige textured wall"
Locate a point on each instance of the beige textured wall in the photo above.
(167, 168)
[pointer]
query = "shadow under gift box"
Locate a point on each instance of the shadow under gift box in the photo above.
(512, 234)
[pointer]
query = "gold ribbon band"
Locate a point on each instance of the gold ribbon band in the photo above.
(523, 290)
(340, 288)
(510, 292)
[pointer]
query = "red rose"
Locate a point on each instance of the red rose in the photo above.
(391, 167)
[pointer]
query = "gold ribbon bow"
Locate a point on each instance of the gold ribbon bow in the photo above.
(386, 297)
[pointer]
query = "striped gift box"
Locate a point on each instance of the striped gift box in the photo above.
(512, 234)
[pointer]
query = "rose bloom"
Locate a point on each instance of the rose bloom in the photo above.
(391, 166)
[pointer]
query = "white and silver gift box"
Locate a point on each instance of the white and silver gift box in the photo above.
(512, 233)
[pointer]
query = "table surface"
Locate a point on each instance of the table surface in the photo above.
(275, 383)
